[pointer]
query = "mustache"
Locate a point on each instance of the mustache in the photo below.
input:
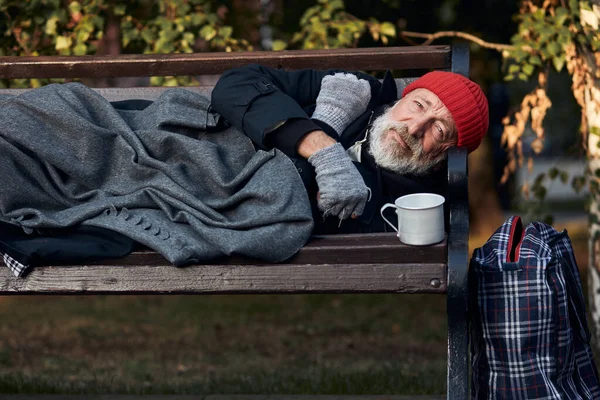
(402, 130)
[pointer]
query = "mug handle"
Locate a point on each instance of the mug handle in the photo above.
(387, 205)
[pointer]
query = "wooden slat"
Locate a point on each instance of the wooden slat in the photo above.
(207, 279)
(359, 263)
(152, 93)
(215, 397)
(311, 397)
(133, 65)
(372, 248)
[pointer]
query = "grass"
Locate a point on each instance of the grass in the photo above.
(327, 344)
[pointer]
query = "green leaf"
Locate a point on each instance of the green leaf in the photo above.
(539, 14)
(325, 15)
(513, 69)
(62, 43)
(335, 4)
(120, 9)
(197, 18)
(553, 173)
(535, 60)
(578, 183)
(522, 76)
(539, 180)
(528, 69)
(170, 81)
(388, 29)
(80, 49)
(208, 32)
(83, 36)
(559, 62)
(595, 130)
(225, 31)
(553, 48)
(156, 80)
(51, 26)
(148, 35)
(564, 177)
(318, 27)
(296, 37)
(74, 7)
(546, 32)
(540, 192)
(561, 15)
(278, 45)
(574, 7)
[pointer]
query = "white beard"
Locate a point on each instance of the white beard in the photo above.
(389, 154)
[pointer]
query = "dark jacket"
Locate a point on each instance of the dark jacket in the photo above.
(255, 98)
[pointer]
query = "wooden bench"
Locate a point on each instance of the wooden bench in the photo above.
(358, 263)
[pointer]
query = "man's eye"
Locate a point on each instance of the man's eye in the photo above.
(440, 132)
(419, 104)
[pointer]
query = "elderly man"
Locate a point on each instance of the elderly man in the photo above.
(354, 144)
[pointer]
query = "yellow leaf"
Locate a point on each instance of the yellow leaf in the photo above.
(537, 146)
(51, 26)
(278, 45)
(62, 43)
(388, 29)
(591, 18)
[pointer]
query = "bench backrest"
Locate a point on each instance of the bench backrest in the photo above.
(453, 58)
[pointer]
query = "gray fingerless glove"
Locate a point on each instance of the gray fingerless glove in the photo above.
(342, 99)
(342, 189)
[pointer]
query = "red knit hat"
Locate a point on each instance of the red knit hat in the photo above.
(465, 101)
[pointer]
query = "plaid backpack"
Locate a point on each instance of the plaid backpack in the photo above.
(530, 338)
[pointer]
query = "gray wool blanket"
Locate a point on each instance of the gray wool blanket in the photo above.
(161, 175)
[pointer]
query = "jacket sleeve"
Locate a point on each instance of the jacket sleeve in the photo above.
(255, 98)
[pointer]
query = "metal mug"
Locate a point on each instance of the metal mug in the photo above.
(420, 218)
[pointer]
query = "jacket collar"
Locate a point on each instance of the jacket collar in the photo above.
(389, 91)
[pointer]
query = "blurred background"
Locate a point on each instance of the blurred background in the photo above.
(330, 344)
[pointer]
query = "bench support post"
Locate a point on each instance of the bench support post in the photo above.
(458, 266)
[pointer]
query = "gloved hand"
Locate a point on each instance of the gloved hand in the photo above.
(342, 189)
(342, 99)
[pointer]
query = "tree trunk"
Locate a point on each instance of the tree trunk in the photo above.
(592, 110)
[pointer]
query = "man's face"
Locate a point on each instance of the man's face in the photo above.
(413, 135)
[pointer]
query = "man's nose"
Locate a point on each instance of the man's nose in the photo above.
(417, 126)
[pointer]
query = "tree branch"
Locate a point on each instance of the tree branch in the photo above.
(433, 36)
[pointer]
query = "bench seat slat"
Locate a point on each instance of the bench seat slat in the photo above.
(207, 279)
(373, 248)
(135, 65)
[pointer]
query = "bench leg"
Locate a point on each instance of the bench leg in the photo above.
(458, 272)
(458, 342)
